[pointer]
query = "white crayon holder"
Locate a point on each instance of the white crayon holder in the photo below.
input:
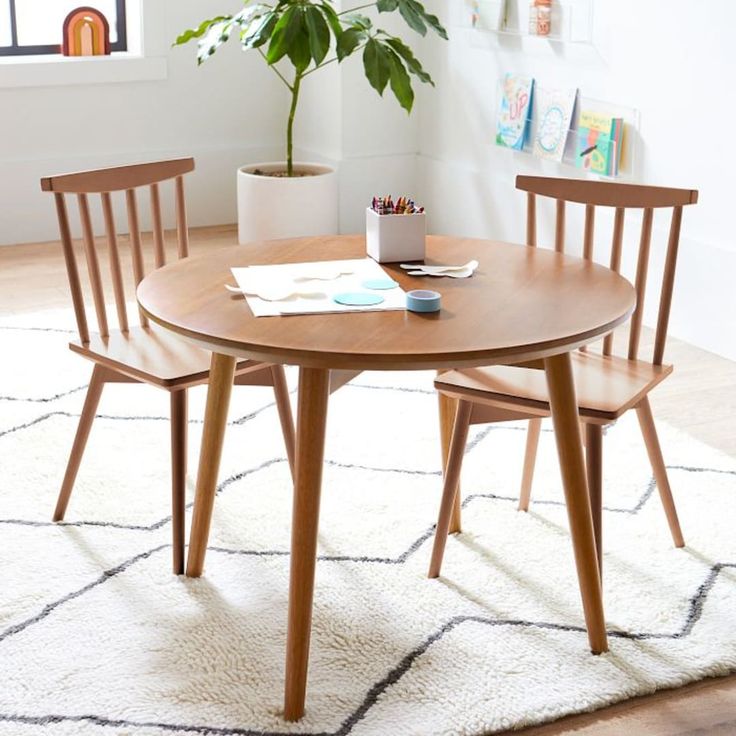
(391, 238)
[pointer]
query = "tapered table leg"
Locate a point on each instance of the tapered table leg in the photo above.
(178, 400)
(563, 403)
(594, 465)
(222, 372)
(448, 410)
(314, 388)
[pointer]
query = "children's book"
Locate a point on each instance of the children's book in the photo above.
(553, 115)
(514, 111)
(599, 142)
(489, 15)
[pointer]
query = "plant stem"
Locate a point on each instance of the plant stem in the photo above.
(275, 70)
(324, 63)
(290, 125)
(330, 61)
(355, 9)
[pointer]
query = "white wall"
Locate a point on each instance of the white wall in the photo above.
(231, 110)
(370, 138)
(227, 112)
(664, 57)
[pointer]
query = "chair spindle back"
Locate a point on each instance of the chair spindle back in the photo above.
(105, 182)
(621, 197)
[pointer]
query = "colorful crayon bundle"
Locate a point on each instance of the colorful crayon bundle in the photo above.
(402, 206)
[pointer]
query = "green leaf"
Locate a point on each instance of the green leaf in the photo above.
(217, 34)
(412, 63)
(248, 13)
(319, 34)
(213, 33)
(286, 30)
(199, 31)
(412, 17)
(331, 16)
(259, 31)
(299, 50)
(377, 65)
(387, 6)
(400, 81)
(290, 38)
(348, 41)
(357, 20)
(418, 18)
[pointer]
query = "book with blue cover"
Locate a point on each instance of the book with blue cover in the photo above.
(512, 125)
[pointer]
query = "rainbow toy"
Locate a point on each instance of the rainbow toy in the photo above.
(86, 33)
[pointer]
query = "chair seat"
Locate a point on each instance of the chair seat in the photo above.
(152, 355)
(606, 386)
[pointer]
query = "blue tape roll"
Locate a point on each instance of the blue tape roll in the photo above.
(423, 300)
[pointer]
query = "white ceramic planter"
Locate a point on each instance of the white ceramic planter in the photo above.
(273, 207)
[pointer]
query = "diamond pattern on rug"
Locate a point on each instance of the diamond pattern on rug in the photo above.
(97, 636)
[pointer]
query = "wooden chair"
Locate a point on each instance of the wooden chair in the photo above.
(606, 385)
(140, 353)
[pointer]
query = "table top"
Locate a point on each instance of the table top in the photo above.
(521, 303)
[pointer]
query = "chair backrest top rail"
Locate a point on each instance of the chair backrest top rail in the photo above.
(118, 178)
(606, 194)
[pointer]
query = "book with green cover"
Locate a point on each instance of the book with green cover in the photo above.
(599, 142)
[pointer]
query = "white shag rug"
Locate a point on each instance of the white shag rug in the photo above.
(98, 637)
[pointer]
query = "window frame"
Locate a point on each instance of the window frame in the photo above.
(51, 49)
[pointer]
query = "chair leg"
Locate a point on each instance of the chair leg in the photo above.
(448, 410)
(178, 476)
(530, 459)
(92, 399)
(452, 479)
(594, 471)
(281, 392)
(646, 422)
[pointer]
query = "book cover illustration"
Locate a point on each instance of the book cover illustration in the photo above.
(599, 143)
(489, 15)
(514, 111)
(553, 114)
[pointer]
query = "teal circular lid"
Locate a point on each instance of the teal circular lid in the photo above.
(357, 299)
(380, 284)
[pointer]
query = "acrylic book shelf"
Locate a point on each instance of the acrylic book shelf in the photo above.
(571, 20)
(575, 142)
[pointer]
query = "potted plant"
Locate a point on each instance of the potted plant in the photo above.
(297, 38)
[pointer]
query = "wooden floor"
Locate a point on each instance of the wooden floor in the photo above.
(699, 398)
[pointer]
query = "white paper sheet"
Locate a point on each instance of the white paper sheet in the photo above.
(312, 287)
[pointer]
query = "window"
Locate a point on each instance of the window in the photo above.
(32, 27)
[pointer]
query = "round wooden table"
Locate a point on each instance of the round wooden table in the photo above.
(522, 304)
